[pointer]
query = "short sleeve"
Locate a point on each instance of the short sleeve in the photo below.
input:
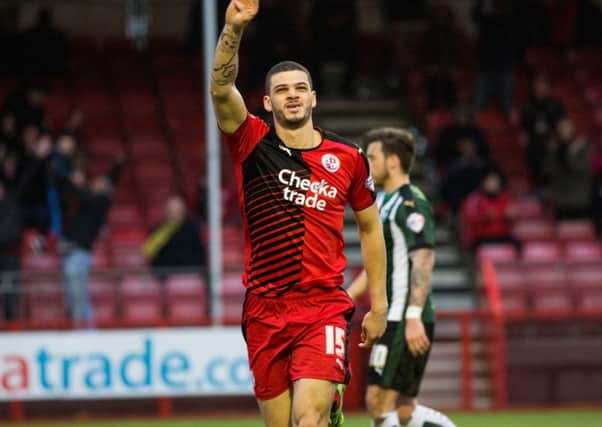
(361, 194)
(247, 136)
(418, 225)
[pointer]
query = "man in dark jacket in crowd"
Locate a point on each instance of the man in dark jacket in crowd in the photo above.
(539, 119)
(93, 201)
(11, 224)
(175, 243)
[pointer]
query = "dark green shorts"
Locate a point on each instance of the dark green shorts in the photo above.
(391, 363)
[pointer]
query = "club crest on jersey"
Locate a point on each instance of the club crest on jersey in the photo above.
(331, 162)
(415, 222)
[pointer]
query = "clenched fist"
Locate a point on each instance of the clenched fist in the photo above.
(240, 12)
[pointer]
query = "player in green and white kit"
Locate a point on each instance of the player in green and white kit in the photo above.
(398, 359)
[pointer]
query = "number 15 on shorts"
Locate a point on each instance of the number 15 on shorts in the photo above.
(335, 343)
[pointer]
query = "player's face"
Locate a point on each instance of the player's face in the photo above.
(291, 99)
(378, 163)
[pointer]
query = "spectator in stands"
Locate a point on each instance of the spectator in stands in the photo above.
(539, 119)
(93, 200)
(34, 202)
(28, 105)
(567, 170)
(447, 147)
(61, 168)
(175, 243)
(8, 131)
(486, 214)
(464, 174)
(11, 228)
(44, 48)
(497, 50)
(440, 53)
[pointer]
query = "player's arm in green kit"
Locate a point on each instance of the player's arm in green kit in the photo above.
(419, 230)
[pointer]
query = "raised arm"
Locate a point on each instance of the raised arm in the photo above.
(229, 106)
(374, 255)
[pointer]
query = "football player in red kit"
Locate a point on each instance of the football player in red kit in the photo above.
(294, 180)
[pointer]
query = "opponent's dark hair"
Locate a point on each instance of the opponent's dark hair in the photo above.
(286, 66)
(395, 141)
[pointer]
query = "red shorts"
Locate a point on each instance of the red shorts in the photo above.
(298, 335)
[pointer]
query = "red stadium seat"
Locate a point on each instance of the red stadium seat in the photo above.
(183, 103)
(187, 298)
(575, 230)
(544, 58)
(124, 215)
(143, 126)
(514, 301)
(145, 312)
(502, 252)
(95, 103)
(44, 313)
(157, 193)
(140, 287)
(435, 121)
(542, 252)
(105, 146)
(545, 276)
(588, 57)
(590, 300)
(142, 148)
(105, 312)
(191, 312)
(45, 300)
(491, 120)
(232, 283)
(127, 237)
(59, 105)
(586, 276)
(138, 104)
(187, 286)
(154, 171)
(587, 251)
(100, 257)
(154, 215)
(510, 276)
(527, 208)
(232, 308)
(128, 257)
(41, 262)
(533, 230)
(557, 300)
(189, 125)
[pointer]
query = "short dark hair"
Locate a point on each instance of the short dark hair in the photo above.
(395, 141)
(285, 66)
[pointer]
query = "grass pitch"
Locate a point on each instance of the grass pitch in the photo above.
(552, 418)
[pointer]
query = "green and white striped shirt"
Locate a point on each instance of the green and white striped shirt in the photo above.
(408, 224)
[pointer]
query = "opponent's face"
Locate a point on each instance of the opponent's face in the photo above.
(378, 163)
(291, 98)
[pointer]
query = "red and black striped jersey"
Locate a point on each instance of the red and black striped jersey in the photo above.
(292, 204)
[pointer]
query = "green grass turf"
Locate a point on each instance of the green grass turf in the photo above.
(553, 418)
